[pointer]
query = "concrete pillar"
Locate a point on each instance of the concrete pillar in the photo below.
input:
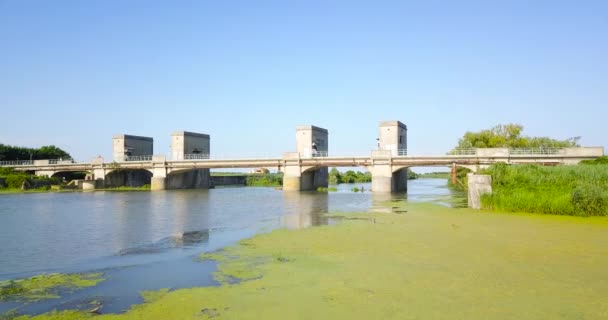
(400, 180)
(478, 185)
(381, 170)
(159, 173)
(292, 171)
(158, 183)
(98, 172)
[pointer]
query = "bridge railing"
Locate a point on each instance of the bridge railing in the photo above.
(147, 157)
(526, 151)
(61, 161)
(13, 163)
(463, 152)
(485, 152)
(196, 156)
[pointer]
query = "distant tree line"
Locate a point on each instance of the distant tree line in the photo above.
(9, 153)
(350, 176)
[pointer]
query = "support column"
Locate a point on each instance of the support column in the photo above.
(381, 169)
(158, 183)
(99, 173)
(478, 185)
(159, 173)
(292, 172)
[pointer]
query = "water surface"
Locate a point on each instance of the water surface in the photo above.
(148, 240)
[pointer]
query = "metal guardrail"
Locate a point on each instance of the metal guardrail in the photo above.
(61, 161)
(139, 158)
(196, 156)
(402, 152)
(527, 151)
(513, 151)
(463, 152)
(16, 163)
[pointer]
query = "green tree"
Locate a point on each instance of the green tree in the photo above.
(334, 176)
(510, 136)
(8, 153)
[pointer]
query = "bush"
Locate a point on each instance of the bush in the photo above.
(590, 200)
(15, 181)
(265, 180)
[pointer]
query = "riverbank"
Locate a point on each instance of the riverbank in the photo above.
(580, 190)
(416, 261)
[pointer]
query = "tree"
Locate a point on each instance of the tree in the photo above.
(510, 136)
(8, 153)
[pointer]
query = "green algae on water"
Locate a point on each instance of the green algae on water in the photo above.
(430, 263)
(46, 286)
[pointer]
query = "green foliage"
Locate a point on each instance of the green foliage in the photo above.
(15, 181)
(411, 175)
(600, 160)
(567, 190)
(330, 189)
(509, 136)
(8, 153)
(265, 180)
(350, 176)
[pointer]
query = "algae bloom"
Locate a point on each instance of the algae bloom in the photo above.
(46, 286)
(427, 262)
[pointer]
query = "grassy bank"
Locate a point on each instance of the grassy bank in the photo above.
(580, 190)
(265, 180)
(145, 187)
(435, 175)
(428, 262)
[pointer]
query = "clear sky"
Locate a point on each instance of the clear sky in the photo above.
(74, 73)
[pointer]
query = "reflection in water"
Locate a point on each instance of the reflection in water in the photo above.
(379, 201)
(304, 209)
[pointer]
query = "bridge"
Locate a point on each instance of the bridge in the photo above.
(305, 169)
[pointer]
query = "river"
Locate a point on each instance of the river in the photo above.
(149, 240)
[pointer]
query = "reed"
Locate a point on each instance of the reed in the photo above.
(580, 190)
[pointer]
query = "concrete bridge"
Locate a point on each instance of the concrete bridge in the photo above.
(299, 169)
(305, 169)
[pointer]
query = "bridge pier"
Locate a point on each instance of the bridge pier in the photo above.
(302, 178)
(99, 172)
(384, 178)
(158, 183)
(159, 173)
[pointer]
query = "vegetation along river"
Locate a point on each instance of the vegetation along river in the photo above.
(416, 253)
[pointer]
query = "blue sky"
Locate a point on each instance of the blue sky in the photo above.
(74, 73)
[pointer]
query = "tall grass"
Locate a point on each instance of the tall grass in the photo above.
(580, 190)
